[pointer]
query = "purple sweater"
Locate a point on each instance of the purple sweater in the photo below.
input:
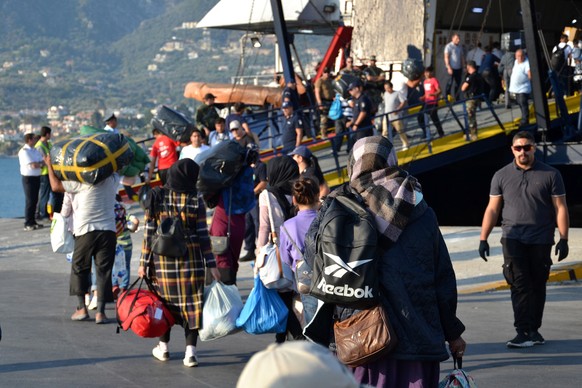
(297, 228)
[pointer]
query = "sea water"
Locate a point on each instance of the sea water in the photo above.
(11, 192)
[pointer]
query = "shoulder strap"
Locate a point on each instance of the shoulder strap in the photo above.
(273, 235)
(292, 241)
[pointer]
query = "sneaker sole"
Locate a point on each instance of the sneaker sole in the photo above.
(539, 342)
(81, 318)
(165, 357)
(190, 365)
(526, 344)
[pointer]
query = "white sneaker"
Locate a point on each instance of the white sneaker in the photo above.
(87, 299)
(159, 354)
(93, 304)
(191, 361)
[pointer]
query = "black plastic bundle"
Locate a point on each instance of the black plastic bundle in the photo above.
(219, 166)
(342, 82)
(90, 159)
(172, 123)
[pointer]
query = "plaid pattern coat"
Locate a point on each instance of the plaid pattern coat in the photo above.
(180, 281)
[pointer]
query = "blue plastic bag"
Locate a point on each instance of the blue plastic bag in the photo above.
(263, 312)
(335, 110)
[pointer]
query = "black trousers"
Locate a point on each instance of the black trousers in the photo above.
(456, 78)
(526, 268)
(190, 335)
(31, 186)
(522, 99)
(251, 228)
(432, 111)
(99, 244)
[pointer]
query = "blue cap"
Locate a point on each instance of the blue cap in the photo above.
(302, 151)
(286, 104)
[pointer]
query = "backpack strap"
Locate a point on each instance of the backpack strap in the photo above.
(292, 241)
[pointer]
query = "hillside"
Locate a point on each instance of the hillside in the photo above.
(91, 54)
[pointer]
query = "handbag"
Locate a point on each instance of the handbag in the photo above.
(273, 272)
(302, 270)
(171, 238)
(364, 337)
(220, 244)
(143, 311)
(458, 378)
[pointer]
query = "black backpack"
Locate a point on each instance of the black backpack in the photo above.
(558, 60)
(344, 262)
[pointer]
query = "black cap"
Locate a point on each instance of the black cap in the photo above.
(355, 84)
(208, 96)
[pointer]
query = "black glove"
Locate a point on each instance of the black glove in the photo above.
(562, 249)
(484, 249)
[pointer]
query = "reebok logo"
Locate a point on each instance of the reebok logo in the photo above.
(339, 269)
(345, 290)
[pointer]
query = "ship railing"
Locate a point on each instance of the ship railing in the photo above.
(418, 125)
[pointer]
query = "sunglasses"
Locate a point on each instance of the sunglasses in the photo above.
(525, 148)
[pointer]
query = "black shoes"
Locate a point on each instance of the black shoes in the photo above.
(249, 256)
(521, 340)
(537, 338)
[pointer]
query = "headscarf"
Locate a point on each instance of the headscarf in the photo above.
(281, 173)
(389, 192)
(182, 176)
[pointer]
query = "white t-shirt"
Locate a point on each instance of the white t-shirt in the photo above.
(391, 103)
(519, 81)
(112, 130)
(95, 205)
(191, 152)
(26, 156)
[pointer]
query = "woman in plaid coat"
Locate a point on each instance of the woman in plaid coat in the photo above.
(180, 281)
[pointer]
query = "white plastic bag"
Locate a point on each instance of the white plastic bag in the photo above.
(222, 306)
(273, 272)
(62, 240)
(119, 265)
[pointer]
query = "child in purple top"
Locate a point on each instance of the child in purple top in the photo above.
(292, 234)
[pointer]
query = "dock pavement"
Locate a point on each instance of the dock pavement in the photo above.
(42, 347)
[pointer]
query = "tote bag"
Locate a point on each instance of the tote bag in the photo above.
(62, 240)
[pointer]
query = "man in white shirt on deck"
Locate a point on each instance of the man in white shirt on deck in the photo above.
(31, 162)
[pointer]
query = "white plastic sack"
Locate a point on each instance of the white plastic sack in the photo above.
(119, 265)
(62, 240)
(274, 273)
(222, 306)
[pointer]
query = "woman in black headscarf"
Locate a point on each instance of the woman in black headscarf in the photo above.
(281, 174)
(180, 281)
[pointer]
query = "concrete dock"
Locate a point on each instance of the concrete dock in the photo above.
(42, 347)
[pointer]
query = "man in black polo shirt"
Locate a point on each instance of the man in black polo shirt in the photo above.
(532, 199)
(361, 123)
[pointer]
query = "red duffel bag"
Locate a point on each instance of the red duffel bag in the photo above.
(143, 311)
